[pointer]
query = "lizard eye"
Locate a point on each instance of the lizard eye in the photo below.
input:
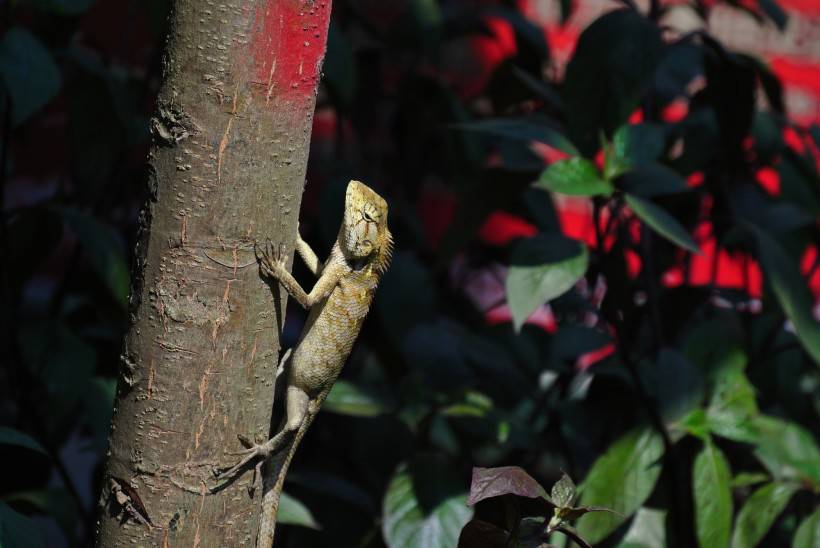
(367, 217)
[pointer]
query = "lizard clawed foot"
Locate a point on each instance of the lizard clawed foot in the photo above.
(271, 262)
(251, 452)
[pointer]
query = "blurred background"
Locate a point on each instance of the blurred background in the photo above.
(684, 335)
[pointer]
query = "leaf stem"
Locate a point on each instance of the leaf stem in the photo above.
(576, 538)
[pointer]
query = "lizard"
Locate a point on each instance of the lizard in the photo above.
(337, 305)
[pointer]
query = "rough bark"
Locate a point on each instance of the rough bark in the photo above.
(231, 135)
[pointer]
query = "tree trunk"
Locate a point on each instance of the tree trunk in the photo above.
(231, 138)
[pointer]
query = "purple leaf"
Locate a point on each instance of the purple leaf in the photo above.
(494, 482)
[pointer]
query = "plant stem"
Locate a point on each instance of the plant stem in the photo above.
(576, 538)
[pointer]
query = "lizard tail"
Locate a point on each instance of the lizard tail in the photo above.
(275, 479)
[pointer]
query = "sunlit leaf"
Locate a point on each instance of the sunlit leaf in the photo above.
(542, 268)
(575, 177)
(695, 423)
(348, 398)
(759, 512)
(744, 479)
(647, 530)
(808, 533)
(421, 510)
(733, 407)
(621, 479)
(563, 492)
(294, 512)
(787, 450)
(713, 497)
(661, 222)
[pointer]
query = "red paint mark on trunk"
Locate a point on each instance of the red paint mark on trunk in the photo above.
(288, 45)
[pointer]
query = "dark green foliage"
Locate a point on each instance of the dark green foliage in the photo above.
(690, 417)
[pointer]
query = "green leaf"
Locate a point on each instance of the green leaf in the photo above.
(661, 222)
(612, 66)
(18, 531)
(633, 145)
(29, 73)
(759, 513)
(791, 291)
(56, 503)
(680, 385)
(732, 407)
(521, 129)
(621, 479)
(563, 492)
(504, 480)
(99, 405)
(575, 177)
(407, 286)
(542, 268)
(648, 530)
(347, 398)
(745, 479)
(424, 21)
(293, 512)
(651, 180)
(65, 366)
(713, 497)
(696, 423)
(422, 510)
(774, 12)
(808, 533)
(9, 436)
(787, 450)
(103, 251)
(568, 513)
(96, 131)
(339, 68)
(64, 7)
(330, 485)
(33, 235)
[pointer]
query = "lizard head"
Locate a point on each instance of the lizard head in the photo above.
(364, 231)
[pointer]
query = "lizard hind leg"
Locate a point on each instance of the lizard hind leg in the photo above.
(297, 408)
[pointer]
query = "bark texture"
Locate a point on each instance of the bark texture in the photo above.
(231, 138)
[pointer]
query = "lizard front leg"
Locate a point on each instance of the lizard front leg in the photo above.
(274, 267)
(309, 256)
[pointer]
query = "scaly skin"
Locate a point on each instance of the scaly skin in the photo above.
(338, 304)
